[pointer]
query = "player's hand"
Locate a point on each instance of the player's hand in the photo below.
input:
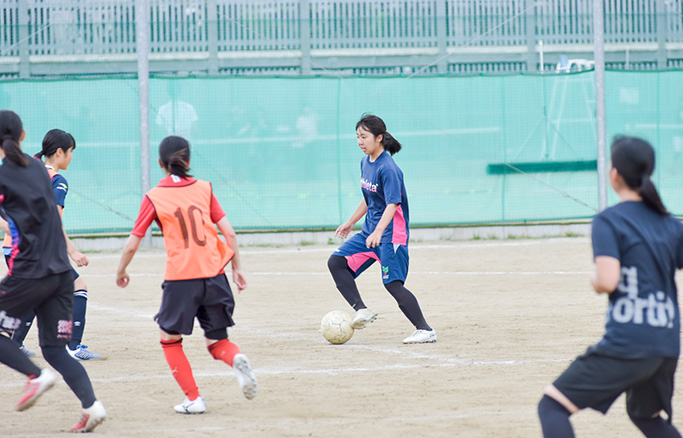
(343, 230)
(122, 279)
(373, 240)
(80, 258)
(239, 279)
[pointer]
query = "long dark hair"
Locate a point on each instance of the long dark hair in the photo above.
(54, 140)
(376, 126)
(174, 153)
(634, 159)
(11, 129)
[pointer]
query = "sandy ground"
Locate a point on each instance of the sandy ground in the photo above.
(510, 316)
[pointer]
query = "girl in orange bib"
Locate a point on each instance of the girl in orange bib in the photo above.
(194, 284)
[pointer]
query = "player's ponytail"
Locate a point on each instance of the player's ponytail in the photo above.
(11, 130)
(54, 140)
(174, 154)
(634, 159)
(376, 126)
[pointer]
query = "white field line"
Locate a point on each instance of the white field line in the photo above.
(331, 248)
(277, 371)
(310, 273)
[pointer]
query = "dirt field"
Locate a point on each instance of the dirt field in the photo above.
(510, 316)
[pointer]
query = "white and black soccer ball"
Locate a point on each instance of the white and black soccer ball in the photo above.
(336, 327)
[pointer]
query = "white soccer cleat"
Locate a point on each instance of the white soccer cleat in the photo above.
(196, 406)
(90, 418)
(245, 376)
(362, 318)
(421, 337)
(35, 388)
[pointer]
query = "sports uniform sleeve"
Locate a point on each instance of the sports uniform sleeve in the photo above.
(60, 187)
(145, 218)
(679, 250)
(604, 236)
(391, 183)
(217, 212)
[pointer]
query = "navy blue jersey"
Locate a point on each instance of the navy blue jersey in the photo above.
(60, 187)
(642, 318)
(28, 202)
(382, 183)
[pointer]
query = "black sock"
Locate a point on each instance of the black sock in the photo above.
(408, 304)
(554, 419)
(14, 358)
(80, 305)
(20, 333)
(73, 373)
(656, 427)
(343, 278)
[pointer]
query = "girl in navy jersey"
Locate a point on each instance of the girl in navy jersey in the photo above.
(58, 147)
(637, 247)
(39, 276)
(384, 236)
(194, 285)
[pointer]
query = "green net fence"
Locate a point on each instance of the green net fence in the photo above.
(281, 152)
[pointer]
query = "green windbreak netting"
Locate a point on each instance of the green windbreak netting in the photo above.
(281, 152)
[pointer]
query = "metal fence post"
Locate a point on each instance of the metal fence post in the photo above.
(600, 109)
(442, 64)
(531, 36)
(142, 36)
(24, 61)
(305, 36)
(661, 55)
(212, 34)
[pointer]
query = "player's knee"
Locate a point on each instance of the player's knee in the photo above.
(53, 355)
(217, 335)
(335, 263)
(549, 407)
(79, 284)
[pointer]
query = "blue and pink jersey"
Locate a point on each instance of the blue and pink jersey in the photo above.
(382, 183)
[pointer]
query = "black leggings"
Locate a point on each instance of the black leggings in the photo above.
(73, 373)
(346, 284)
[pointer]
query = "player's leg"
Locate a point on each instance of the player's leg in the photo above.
(172, 345)
(395, 261)
(215, 316)
(19, 334)
(347, 263)
(75, 348)
(175, 318)
(554, 415)
(646, 401)
(13, 302)
(27, 321)
(54, 322)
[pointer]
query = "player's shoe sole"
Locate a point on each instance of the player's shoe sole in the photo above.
(245, 376)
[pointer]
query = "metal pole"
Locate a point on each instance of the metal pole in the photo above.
(599, 56)
(142, 45)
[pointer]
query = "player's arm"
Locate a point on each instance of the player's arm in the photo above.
(344, 229)
(231, 238)
(129, 250)
(375, 237)
(4, 226)
(142, 223)
(607, 273)
(76, 255)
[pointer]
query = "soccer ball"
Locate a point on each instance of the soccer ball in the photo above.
(336, 327)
